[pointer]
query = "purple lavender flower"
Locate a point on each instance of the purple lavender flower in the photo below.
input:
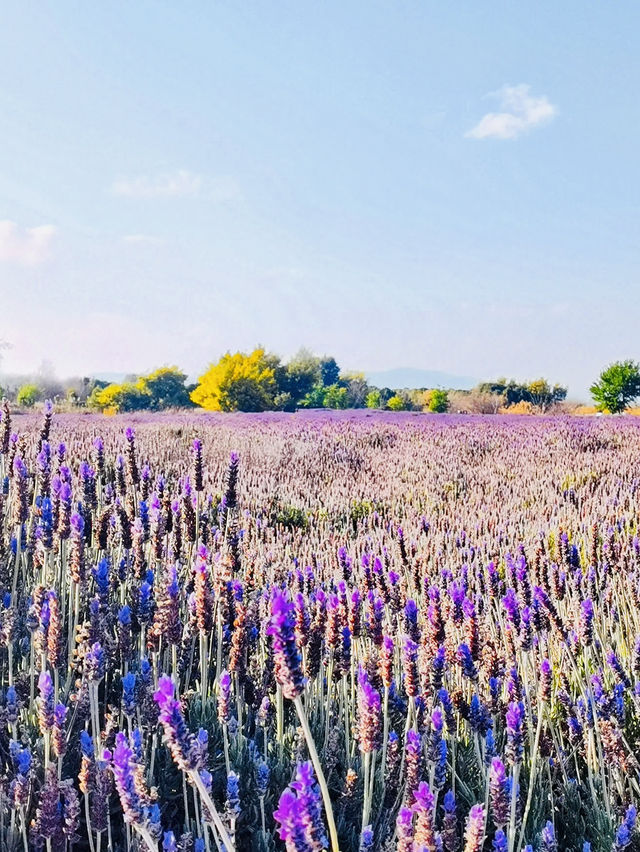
(625, 830)
(368, 714)
(410, 666)
(233, 796)
(404, 830)
(511, 605)
(413, 762)
(411, 620)
(457, 594)
(616, 666)
(11, 705)
(585, 623)
(291, 829)
(514, 721)
(448, 709)
(169, 842)
(474, 829)
(435, 735)
(123, 766)
(101, 577)
(95, 663)
(129, 694)
(499, 841)
(58, 732)
(48, 815)
(366, 839)
(548, 842)
(546, 674)
(262, 778)
(300, 813)
(450, 838)
(281, 628)
(466, 661)
(500, 788)
(176, 734)
(224, 698)
(424, 806)
(197, 465)
(45, 702)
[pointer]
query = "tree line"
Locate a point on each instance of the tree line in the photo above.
(259, 381)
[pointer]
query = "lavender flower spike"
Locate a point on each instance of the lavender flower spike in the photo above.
(299, 813)
(288, 664)
(176, 734)
(185, 749)
(474, 831)
(548, 839)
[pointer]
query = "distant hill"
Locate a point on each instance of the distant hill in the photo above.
(112, 378)
(411, 377)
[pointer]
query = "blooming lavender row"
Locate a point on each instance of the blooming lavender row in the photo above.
(354, 633)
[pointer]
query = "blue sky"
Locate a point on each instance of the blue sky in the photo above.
(448, 186)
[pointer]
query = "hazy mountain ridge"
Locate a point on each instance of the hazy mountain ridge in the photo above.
(413, 377)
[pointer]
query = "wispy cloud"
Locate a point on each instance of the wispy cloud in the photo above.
(24, 246)
(521, 111)
(178, 184)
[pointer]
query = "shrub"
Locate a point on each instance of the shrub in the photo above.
(396, 403)
(128, 396)
(522, 407)
(374, 399)
(290, 517)
(336, 397)
(438, 401)
(28, 395)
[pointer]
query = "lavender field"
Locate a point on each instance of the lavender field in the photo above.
(319, 631)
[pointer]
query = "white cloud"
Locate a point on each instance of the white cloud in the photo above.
(24, 246)
(175, 185)
(521, 112)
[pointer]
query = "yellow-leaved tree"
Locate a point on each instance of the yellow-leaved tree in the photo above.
(238, 382)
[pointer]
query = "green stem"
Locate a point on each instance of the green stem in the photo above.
(215, 816)
(333, 832)
(514, 802)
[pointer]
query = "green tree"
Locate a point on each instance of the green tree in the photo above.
(315, 398)
(336, 396)
(511, 392)
(617, 387)
(127, 396)
(357, 389)
(329, 370)
(283, 401)
(299, 376)
(238, 382)
(374, 399)
(28, 395)
(166, 388)
(396, 403)
(438, 401)
(543, 396)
